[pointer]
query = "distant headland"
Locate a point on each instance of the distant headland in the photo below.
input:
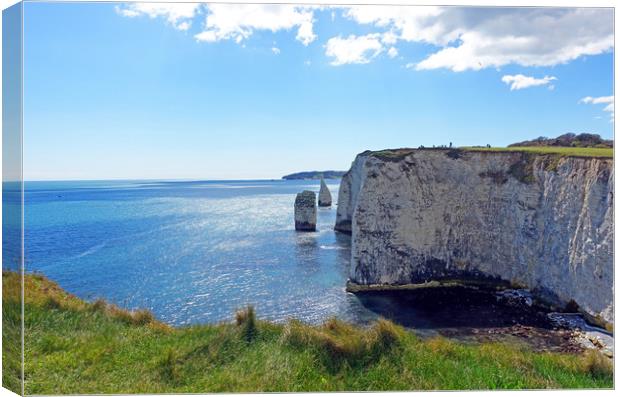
(315, 175)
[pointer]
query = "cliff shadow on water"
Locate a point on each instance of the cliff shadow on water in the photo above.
(453, 307)
(484, 314)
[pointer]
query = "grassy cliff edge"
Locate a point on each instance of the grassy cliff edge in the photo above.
(581, 152)
(75, 347)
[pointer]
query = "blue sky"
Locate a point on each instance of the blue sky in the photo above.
(222, 92)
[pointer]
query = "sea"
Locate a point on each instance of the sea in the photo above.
(191, 251)
(194, 252)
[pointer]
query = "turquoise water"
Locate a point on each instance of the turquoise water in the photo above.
(192, 252)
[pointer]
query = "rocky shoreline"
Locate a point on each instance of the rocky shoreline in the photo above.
(485, 313)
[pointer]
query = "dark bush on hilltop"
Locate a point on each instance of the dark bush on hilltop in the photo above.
(569, 140)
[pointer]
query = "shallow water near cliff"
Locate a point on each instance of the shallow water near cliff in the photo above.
(194, 251)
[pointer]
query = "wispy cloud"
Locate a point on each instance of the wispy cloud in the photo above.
(597, 100)
(607, 100)
(519, 81)
(179, 15)
(229, 21)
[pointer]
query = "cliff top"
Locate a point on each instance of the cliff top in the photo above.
(563, 151)
(395, 154)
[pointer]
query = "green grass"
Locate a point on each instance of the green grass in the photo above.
(11, 333)
(565, 151)
(78, 347)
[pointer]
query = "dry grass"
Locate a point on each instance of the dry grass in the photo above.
(597, 364)
(340, 342)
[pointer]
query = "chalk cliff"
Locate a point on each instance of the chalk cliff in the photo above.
(543, 222)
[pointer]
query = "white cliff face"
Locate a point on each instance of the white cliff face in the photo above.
(325, 197)
(350, 186)
(542, 222)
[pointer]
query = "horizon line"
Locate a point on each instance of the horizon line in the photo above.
(155, 180)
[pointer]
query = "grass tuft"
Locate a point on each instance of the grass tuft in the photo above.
(384, 335)
(53, 303)
(99, 305)
(340, 343)
(142, 317)
(246, 321)
(597, 364)
(169, 366)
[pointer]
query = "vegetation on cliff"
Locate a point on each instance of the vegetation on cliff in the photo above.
(75, 347)
(569, 140)
(559, 150)
(398, 154)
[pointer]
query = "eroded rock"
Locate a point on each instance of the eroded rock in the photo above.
(305, 211)
(325, 197)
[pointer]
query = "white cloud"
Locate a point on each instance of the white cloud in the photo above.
(475, 38)
(519, 81)
(275, 50)
(464, 38)
(178, 15)
(239, 21)
(608, 100)
(353, 49)
(597, 100)
(184, 25)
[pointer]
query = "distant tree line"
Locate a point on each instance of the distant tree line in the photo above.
(569, 140)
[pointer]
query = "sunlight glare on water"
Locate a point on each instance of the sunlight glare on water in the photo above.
(192, 252)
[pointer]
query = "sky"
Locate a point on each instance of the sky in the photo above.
(222, 91)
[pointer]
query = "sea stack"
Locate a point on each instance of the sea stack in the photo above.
(305, 211)
(325, 197)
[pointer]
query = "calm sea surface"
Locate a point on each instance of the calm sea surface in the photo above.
(192, 252)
